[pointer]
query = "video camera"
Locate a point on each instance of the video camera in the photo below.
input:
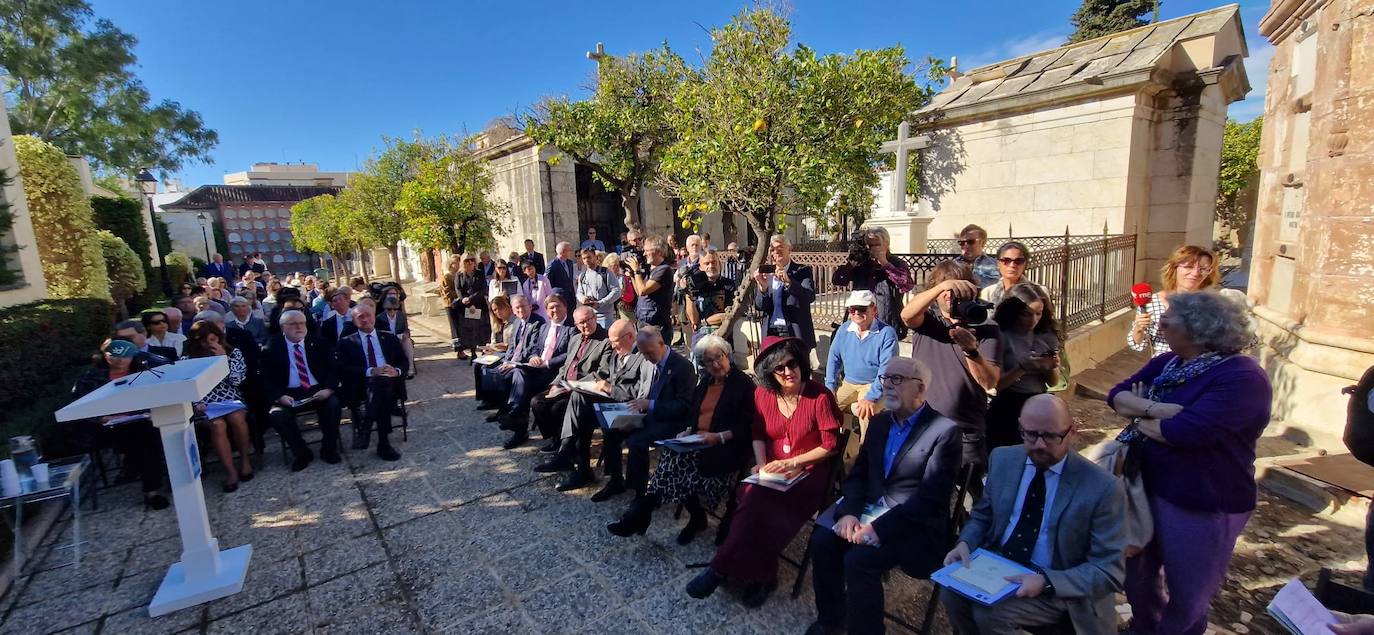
(970, 311)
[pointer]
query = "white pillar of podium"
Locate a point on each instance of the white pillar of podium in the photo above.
(204, 573)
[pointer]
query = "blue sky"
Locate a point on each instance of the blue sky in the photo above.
(322, 82)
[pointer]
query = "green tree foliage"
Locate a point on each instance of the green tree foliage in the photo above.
(69, 80)
(450, 203)
(124, 218)
(123, 265)
(1096, 18)
(8, 273)
(1236, 183)
(321, 225)
(62, 225)
(179, 269)
(621, 131)
(373, 192)
(765, 128)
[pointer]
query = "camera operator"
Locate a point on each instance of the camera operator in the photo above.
(951, 337)
(652, 278)
(709, 296)
(868, 269)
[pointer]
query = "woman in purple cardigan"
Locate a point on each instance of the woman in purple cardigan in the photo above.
(1196, 414)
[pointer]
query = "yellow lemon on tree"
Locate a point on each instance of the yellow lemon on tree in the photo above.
(759, 125)
(858, 123)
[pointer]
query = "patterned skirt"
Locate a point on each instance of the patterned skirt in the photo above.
(678, 478)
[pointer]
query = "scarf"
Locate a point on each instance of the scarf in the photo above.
(1176, 373)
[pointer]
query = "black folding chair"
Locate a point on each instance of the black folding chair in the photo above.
(957, 517)
(1339, 597)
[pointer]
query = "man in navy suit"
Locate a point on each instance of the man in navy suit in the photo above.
(528, 381)
(299, 368)
(563, 276)
(533, 256)
(217, 268)
(497, 378)
(338, 325)
(785, 296)
(374, 367)
(908, 466)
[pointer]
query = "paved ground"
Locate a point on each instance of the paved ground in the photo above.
(462, 537)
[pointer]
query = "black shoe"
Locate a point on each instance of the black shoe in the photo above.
(230, 488)
(551, 447)
(500, 412)
(516, 440)
(613, 487)
(361, 439)
(246, 477)
(695, 524)
(635, 521)
(155, 501)
(556, 464)
(817, 628)
(329, 453)
(702, 586)
(577, 479)
(515, 423)
(757, 593)
(486, 405)
(302, 460)
(387, 453)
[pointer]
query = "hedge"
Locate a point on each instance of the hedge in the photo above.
(126, 272)
(44, 341)
(62, 221)
(179, 269)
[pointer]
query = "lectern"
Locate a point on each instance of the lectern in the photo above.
(204, 573)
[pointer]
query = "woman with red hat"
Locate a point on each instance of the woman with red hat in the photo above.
(796, 425)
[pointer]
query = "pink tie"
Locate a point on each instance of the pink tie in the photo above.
(548, 346)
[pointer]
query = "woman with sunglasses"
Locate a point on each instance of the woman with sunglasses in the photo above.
(155, 323)
(1190, 268)
(1012, 258)
(796, 425)
(1030, 359)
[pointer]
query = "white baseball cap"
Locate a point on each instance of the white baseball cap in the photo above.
(860, 298)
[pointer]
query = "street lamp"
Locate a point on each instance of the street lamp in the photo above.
(202, 218)
(147, 184)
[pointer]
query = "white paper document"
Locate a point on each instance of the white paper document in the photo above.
(1300, 612)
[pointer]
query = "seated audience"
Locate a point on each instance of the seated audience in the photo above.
(138, 441)
(796, 426)
(584, 352)
(207, 340)
(548, 351)
(1075, 548)
(623, 376)
(174, 318)
(391, 316)
(493, 391)
(699, 480)
(300, 375)
(1196, 413)
(372, 367)
(133, 331)
(160, 333)
(859, 349)
(907, 469)
(289, 299)
(338, 322)
(1030, 359)
(241, 317)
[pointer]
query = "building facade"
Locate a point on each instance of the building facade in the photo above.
(255, 219)
(1312, 269)
(305, 174)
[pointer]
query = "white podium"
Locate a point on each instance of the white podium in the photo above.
(204, 573)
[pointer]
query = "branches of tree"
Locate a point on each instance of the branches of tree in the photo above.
(69, 80)
(450, 202)
(1096, 18)
(1236, 182)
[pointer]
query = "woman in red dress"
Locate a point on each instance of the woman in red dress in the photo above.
(795, 430)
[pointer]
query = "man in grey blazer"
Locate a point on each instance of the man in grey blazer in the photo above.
(1056, 513)
(623, 376)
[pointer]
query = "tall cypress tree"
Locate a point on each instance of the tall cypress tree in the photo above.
(1096, 18)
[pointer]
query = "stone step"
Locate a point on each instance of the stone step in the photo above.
(1096, 382)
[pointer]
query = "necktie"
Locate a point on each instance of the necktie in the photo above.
(1027, 531)
(549, 343)
(519, 342)
(655, 386)
(302, 372)
(572, 368)
(371, 357)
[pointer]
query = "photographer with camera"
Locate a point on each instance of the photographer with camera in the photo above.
(652, 279)
(868, 269)
(951, 336)
(709, 295)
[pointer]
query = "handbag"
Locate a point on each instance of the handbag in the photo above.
(1138, 525)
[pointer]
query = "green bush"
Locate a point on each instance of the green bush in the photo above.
(43, 341)
(126, 272)
(179, 269)
(62, 222)
(124, 218)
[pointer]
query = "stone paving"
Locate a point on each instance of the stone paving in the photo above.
(459, 536)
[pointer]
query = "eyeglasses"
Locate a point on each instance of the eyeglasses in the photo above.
(1012, 261)
(156, 322)
(1202, 269)
(790, 364)
(896, 380)
(858, 309)
(967, 242)
(1050, 438)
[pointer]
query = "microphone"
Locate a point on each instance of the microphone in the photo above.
(1141, 293)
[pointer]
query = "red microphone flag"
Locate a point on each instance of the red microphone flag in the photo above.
(1141, 293)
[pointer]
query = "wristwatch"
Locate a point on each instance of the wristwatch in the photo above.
(972, 353)
(1048, 591)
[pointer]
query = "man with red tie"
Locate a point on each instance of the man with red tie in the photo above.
(374, 368)
(299, 376)
(586, 349)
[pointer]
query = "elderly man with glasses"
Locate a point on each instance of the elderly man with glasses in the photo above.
(861, 347)
(895, 507)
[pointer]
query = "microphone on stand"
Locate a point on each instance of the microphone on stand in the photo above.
(1141, 294)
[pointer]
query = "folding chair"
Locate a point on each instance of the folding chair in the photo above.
(1339, 597)
(957, 517)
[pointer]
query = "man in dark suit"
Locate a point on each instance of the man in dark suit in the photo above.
(585, 349)
(533, 256)
(217, 268)
(563, 275)
(785, 296)
(495, 386)
(374, 367)
(338, 325)
(133, 331)
(298, 368)
(549, 352)
(906, 468)
(624, 375)
(667, 406)
(1056, 513)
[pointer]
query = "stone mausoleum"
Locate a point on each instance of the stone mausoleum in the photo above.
(1122, 132)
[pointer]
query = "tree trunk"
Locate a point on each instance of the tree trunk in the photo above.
(362, 258)
(395, 252)
(762, 224)
(629, 205)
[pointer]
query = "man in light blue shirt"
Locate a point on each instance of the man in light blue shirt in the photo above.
(860, 348)
(591, 242)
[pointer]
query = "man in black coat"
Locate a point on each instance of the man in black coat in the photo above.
(298, 368)
(373, 366)
(533, 256)
(563, 275)
(582, 356)
(895, 508)
(337, 325)
(493, 391)
(785, 296)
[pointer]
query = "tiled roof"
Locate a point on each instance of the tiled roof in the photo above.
(1086, 62)
(212, 196)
